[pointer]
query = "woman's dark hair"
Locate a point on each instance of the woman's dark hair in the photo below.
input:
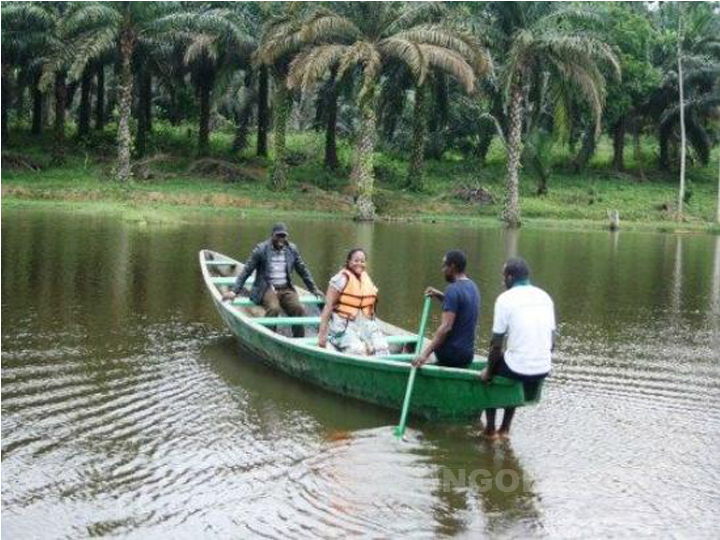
(352, 252)
(516, 268)
(456, 258)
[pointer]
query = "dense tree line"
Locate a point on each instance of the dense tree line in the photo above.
(533, 75)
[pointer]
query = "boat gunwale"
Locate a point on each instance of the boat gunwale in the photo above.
(373, 362)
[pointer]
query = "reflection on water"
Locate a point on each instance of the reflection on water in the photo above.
(129, 410)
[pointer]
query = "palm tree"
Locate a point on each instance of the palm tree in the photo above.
(368, 37)
(35, 33)
(480, 64)
(24, 45)
(280, 42)
(689, 96)
(84, 108)
(98, 29)
(218, 41)
(541, 44)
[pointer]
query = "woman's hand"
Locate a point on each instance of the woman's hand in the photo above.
(322, 341)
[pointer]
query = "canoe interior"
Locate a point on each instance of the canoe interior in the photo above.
(440, 393)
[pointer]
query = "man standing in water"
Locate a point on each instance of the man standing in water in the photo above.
(273, 262)
(454, 340)
(525, 317)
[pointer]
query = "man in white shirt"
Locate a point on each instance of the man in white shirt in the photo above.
(524, 326)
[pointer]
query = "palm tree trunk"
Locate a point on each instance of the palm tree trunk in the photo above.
(70, 90)
(511, 212)
(19, 100)
(37, 118)
(438, 117)
(487, 129)
(281, 110)
(619, 144)
(147, 99)
(681, 85)
(637, 153)
(414, 179)
(365, 176)
(47, 109)
(587, 149)
(204, 133)
(263, 116)
(243, 122)
(5, 100)
(174, 112)
(717, 208)
(127, 44)
(59, 129)
(100, 99)
(331, 159)
(84, 111)
(143, 113)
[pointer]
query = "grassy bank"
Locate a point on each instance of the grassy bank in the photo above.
(173, 179)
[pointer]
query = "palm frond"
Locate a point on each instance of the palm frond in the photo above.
(456, 40)
(27, 16)
(498, 128)
(324, 26)
(568, 13)
(364, 54)
(281, 38)
(91, 46)
(309, 67)
(407, 52)
(203, 47)
(579, 48)
(450, 62)
(414, 14)
(90, 16)
(590, 83)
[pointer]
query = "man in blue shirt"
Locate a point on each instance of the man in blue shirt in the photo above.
(454, 340)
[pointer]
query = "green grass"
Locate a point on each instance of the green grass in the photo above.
(574, 200)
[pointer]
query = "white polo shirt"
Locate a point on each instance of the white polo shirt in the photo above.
(526, 315)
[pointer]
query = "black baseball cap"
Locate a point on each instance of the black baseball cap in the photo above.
(279, 228)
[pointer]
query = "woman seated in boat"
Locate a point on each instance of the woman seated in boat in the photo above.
(348, 319)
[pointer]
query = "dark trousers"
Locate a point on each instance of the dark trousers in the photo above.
(286, 299)
(531, 383)
(450, 356)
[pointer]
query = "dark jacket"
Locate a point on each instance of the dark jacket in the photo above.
(259, 262)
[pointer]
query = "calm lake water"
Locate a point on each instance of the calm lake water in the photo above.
(128, 409)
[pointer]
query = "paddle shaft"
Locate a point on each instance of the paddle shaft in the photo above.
(400, 429)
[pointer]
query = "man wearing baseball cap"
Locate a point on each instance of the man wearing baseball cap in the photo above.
(273, 262)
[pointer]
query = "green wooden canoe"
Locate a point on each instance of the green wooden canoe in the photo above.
(440, 392)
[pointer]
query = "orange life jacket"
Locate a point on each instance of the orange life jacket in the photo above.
(358, 294)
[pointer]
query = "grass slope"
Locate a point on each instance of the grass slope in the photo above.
(645, 197)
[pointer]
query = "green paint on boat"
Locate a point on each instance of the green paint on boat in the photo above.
(308, 300)
(440, 392)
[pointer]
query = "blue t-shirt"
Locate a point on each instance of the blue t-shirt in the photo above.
(462, 297)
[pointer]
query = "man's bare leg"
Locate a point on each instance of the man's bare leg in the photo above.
(489, 430)
(504, 431)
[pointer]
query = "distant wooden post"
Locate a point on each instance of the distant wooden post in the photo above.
(614, 217)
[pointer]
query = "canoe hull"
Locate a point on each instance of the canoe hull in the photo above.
(439, 393)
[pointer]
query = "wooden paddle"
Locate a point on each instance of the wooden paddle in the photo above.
(400, 429)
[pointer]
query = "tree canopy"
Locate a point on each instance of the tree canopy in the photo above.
(425, 79)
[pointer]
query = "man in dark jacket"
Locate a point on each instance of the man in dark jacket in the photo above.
(273, 262)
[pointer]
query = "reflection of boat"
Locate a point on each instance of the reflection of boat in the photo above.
(439, 392)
